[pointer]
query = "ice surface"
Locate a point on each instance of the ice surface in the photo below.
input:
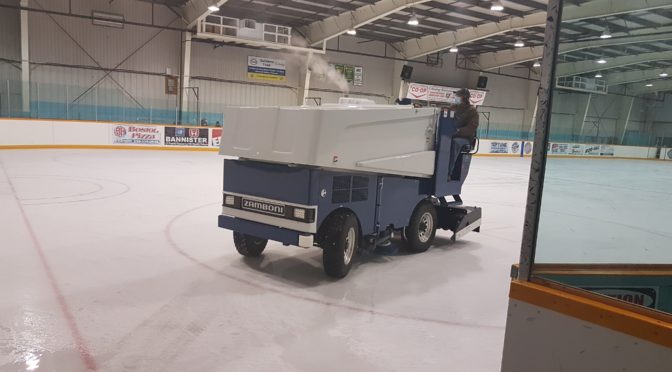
(606, 211)
(152, 284)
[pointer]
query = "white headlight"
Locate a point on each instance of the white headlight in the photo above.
(300, 213)
(229, 200)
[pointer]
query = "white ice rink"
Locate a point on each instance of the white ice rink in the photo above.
(113, 261)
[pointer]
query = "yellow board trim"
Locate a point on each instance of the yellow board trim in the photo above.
(106, 147)
(610, 316)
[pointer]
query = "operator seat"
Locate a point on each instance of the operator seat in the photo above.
(460, 147)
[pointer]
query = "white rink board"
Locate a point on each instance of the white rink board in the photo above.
(666, 153)
(505, 147)
(21, 132)
(560, 149)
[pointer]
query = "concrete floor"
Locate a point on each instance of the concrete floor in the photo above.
(112, 261)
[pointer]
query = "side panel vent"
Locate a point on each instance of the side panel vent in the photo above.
(346, 189)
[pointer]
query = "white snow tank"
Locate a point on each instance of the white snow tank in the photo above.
(359, 137)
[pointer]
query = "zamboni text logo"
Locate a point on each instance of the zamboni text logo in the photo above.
(264, 207)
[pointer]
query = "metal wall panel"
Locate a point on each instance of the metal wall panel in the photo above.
(10, 34)
(228, 62)
(77, 42)
(68, 40)
(216, 94)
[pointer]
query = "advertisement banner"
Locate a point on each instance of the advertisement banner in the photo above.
(606, 150)
(215, 137)
(359, 76)
(261, 68)
(527, 148)
(352, 74)
(643, 296)
(176, 136)
(499, 147)
(437, 93)
(576, 149)
(560, 148)
(515, 148)
(592, 150)
(136, 134)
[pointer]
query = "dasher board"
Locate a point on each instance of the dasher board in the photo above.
(372, 138)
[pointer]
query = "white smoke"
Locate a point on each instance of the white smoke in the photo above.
(319, 66)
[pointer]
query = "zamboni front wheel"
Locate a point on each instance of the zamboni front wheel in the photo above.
(339, 241)
(248, 245)
(421, 230)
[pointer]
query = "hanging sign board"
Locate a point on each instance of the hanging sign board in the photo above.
(437, 93)
(261, 68)
(352, 74)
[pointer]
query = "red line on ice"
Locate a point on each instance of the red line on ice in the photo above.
(82, 349)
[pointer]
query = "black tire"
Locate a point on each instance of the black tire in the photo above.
(338, 247)
(248, 245)
(421, 230)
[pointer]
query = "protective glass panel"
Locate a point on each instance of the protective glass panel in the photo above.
(607, 196)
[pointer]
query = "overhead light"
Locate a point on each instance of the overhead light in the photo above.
(606, 34)
(663, 74)
(536, 64)
(413, 21)
(496, 6)
(598, 75)
(351, 31)
(601, 61)
(213, 8)
(453, 49)
(519, 43)
(649, 84)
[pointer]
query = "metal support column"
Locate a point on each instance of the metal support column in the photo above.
(585, 116)
(25, 60)
(541, 131)
(185, 82)
(624, 124)
(306, 82)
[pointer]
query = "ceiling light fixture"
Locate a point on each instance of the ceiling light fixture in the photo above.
(496, 6)
(213, 8)
(351, 31)
(649, 84)
(606, 34)
(601, 61)
(536, 64)
(663, 74)
(413, 21)
(453, 49)
(519, 43)
(598, 75)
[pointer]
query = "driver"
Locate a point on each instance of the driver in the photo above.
(466, 115)
(467, 124)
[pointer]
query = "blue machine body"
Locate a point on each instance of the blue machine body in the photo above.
(381, 202)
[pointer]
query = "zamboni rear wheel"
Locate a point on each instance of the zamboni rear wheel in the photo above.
(421, 230)
(339, 242)
(248, 245)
